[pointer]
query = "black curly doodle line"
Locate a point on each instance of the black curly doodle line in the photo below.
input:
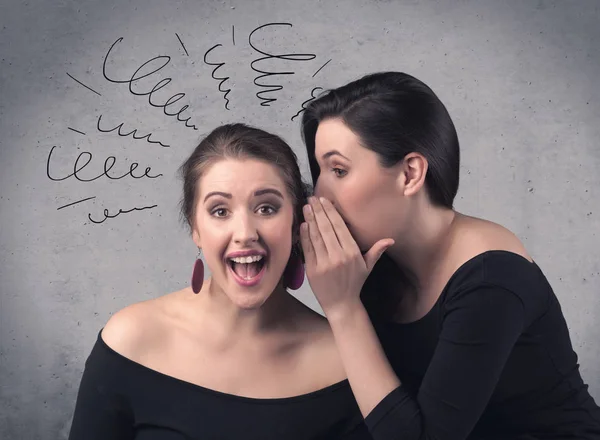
(223, 79)
(312, 97)
(136, 76)
(132, 133)
(267, 56)
(107, 215)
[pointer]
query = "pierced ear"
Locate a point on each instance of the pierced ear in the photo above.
(414, 170)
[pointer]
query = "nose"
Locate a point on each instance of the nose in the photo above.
(321, 190)
(244, 230)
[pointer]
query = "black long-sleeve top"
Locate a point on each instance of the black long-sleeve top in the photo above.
(492, 360)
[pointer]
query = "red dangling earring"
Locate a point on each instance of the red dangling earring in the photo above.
(293, 275)
(198, 273)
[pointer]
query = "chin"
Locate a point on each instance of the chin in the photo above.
(249, 301)
(251, 298)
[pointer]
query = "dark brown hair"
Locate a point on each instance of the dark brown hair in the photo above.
(393, 114)
(241, 141)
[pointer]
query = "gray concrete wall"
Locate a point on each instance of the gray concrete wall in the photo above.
(520, 79)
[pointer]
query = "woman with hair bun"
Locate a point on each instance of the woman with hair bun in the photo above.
(234, 356)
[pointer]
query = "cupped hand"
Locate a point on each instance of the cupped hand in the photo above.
(335, 267)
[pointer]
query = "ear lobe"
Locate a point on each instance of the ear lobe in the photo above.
(196, 238)
(414, 172)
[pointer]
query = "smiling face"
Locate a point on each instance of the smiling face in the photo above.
(368, 196)
(243, 223)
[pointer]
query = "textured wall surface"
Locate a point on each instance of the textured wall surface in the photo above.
(520, 79)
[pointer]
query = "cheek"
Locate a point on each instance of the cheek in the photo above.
(351, 196)
(361, 205)
(277, 234)
(214, 237)
(280, 233)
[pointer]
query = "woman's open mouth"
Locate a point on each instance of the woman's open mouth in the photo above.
(247, 270)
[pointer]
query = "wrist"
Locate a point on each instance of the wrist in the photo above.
(345, 313)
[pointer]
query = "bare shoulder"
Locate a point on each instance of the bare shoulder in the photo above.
(134, 328)
(479, 235)
(320, 358)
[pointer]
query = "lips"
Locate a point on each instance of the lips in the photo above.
(247, 279)
(247, 267)
(246, 253)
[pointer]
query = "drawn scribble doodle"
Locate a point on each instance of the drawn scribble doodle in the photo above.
(75, 203)
(223, 79)
(271, 88)
(136, 76)
(132, 133)
(268, 55)
(182, 45)
(312, 98)
(77, 131)
(108, 165)
(321, 68)
(107, 215)
(87, 87)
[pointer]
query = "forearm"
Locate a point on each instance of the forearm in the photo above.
(369, 371)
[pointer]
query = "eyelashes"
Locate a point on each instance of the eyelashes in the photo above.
(271, 209)
(339, 173)
(265, 210)
(214, 212)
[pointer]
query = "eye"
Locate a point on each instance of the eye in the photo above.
(339, 172)
(267, 210)
(219, 212)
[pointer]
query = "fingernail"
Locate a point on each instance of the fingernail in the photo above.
(307, 209)
(323, 199)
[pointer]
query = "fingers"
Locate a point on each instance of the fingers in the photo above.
(318, 246)
(376, 251)
(325, 227)
(308, 250)
(339, 226)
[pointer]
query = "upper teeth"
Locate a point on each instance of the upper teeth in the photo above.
(246, 260)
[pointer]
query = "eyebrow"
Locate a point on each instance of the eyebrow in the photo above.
(257, 193)
(334, 153)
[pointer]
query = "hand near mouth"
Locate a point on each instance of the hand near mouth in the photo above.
(335, 266)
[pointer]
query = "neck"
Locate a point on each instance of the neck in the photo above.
(422, 247)
(236, 323)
